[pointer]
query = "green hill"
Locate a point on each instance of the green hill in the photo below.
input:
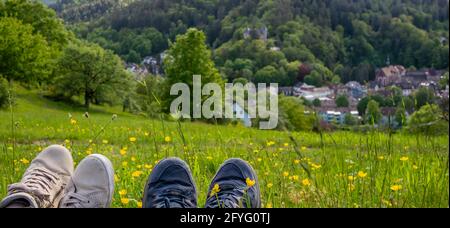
(346, 169)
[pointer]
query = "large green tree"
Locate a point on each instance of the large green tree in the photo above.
(187, 57)
(24, 56)
(88, 70)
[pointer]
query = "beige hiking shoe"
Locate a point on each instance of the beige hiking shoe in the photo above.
(42, 185)
(92, 184)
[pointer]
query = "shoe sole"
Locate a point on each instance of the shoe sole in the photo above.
(110, 171)
(238, 162)
(178, 162)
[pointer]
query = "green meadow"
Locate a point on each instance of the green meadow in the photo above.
(301, 169)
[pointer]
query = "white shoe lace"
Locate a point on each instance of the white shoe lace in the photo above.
(39, 183)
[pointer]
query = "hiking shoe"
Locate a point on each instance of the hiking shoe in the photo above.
(170, 186)
(234, 186)
(42, 185)
(92, 184)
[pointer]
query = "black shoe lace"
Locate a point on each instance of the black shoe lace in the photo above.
(231, 195)
(174, 198)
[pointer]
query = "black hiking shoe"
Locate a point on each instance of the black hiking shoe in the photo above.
(170, 186)
(234, 186)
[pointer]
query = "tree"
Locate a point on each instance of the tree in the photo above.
(423, 96)
(428, 120)
(187, 57)
(3, 92)
(350, 120)
(268, 74)
(292, 114)
(373, 113)
(317, 103)
(23, 56)
(342, 101)
(88, 70)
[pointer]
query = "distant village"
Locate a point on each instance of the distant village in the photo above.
(392, 75)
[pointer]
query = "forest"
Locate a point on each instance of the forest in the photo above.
(267, 40)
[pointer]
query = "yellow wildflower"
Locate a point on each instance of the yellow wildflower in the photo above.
(362, 174)
(396, 188)
(381, 158)
(139, 204)
(147, 166)
(285, 174)
(105, 141)
(124, 164)
(250, 182)
(404, 159)
(269, 185)
(123, 152)
(24, 161)
(351, 178)
(125, 201)
(296, 161)
(73, 121)
(136, 174)
(215, 190)
(306, 182)
(167, 139)
(123, 192)
(316, 166)
(133, 139)
(415, 167)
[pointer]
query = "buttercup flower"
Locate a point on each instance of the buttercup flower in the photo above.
(125, 201)
(404, 159)
(167, 139)
(133, 139)
(215, 190)
(396, 188)
(306, 182)
(362, 174)
(250, 182)
(123, 192)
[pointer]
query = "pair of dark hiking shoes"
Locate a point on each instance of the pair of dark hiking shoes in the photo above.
(171, 186)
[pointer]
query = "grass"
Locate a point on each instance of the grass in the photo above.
(340, 169)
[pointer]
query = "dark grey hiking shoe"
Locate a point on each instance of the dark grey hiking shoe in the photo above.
(170, 186)
(234, 186)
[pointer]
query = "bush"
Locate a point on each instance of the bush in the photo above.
(3, 93)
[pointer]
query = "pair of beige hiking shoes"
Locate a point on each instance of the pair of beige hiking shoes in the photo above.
(51, 182)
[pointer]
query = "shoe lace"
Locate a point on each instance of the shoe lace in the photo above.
(230, 196)
(75, 200)
(174, 198)
(39, 183)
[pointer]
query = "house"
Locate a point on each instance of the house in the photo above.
(287, 91)
(336, 115)
(407, 87)
(311, 93)
(389, 75)
(356, 90)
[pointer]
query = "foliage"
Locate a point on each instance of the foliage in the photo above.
(4, 96)
(342, 101)
(292, 115)
(88, 70)
(23, 56)
(428, 120)
(373, 113)
(187, 57)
